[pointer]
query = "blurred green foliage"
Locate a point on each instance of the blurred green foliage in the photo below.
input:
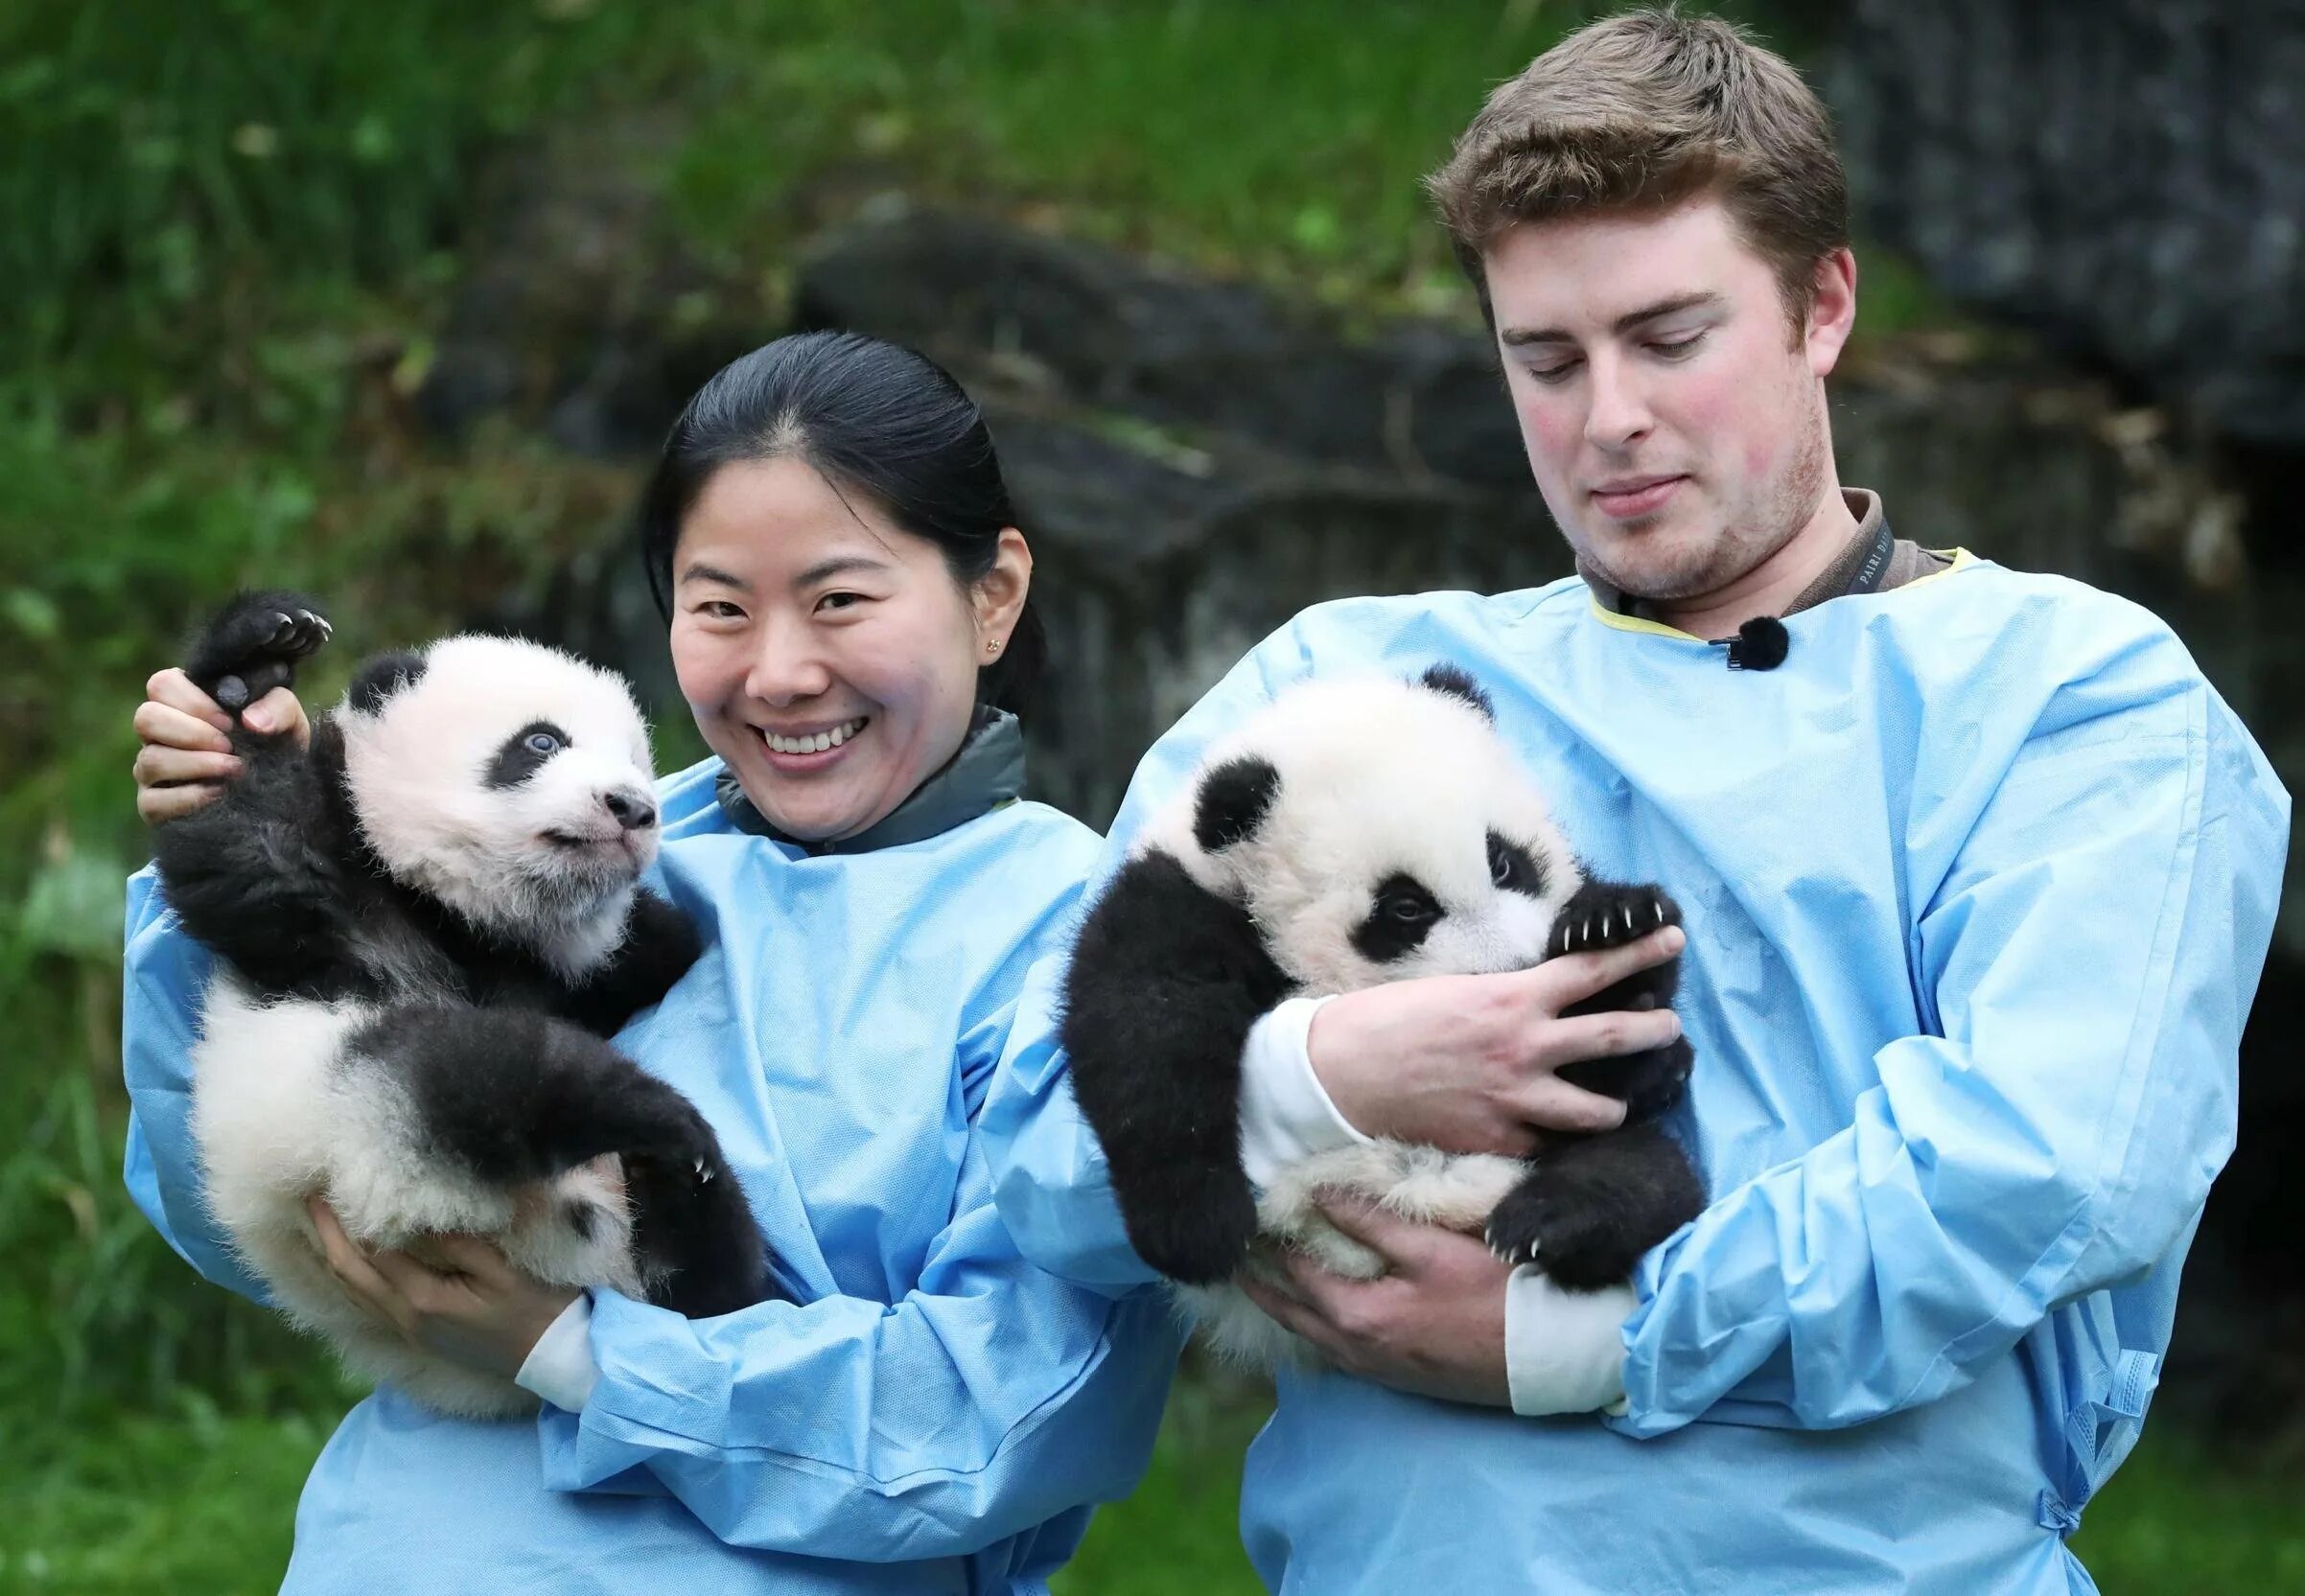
(235, 229)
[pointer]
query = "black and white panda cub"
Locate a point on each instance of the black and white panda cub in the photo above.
(1357, 831)
(430, 920)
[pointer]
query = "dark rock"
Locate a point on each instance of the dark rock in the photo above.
(578, 316)
(2122, 175)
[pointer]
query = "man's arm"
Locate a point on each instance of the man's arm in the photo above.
(2090, 957)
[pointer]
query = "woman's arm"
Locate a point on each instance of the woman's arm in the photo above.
(989, 1398)
(166, 973)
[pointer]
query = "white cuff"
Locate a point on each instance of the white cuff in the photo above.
(560, 1367)
(1564, 1351)
(1285, 1115)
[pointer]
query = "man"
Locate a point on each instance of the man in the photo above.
(1979, 877)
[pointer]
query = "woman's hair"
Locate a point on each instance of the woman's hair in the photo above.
(1640, 111)
(873, 418)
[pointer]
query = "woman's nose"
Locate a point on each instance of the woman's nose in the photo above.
(787, 667)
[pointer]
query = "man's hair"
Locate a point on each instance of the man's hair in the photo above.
(1640, 111)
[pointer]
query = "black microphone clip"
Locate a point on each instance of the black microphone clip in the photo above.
(1760, 644)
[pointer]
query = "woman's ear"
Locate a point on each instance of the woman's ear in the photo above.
(999, 595)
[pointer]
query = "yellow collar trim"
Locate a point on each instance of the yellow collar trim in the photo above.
(1658, 629)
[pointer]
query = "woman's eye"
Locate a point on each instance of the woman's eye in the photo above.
(719, 609)
(543, 742)
(840, 601)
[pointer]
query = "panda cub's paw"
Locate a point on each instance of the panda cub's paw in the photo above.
(1605, 914)
(1583, 1250)
(252, 646)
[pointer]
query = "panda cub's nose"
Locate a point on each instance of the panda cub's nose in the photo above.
(633, 812)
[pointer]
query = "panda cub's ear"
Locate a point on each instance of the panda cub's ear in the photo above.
(1233, 801)
(1454, 681)
(379, 678)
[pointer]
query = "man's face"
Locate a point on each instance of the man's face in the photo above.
(1675, 422)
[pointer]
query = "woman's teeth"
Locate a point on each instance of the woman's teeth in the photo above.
(818, 743)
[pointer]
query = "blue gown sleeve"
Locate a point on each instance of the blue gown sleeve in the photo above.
(2089, 958)
(990, 1399)
(166, 971)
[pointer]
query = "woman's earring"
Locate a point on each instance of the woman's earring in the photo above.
(992, 645)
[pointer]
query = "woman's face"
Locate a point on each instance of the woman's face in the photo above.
(828, 656)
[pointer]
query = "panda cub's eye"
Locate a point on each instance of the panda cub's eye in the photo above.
(1513, 868)
(543, 742)
(1409, 907)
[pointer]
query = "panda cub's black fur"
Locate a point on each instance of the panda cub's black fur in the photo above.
(1357, 831)
(429, 922)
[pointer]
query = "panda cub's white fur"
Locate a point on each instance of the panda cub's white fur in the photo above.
(1376, 774)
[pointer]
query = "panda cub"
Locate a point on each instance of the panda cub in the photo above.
(1357, 831)
(429, 922)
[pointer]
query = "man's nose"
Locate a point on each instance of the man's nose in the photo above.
(1616, 411)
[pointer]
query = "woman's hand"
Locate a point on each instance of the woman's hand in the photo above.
(1467, 1063)
(187, 754)
(464, 1302)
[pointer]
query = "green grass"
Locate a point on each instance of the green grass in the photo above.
(202, 1499)
(235, 231)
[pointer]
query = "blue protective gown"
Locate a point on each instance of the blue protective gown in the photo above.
(933, 1416)
(1978, 884)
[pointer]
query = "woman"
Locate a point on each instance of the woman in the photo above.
(831, 538)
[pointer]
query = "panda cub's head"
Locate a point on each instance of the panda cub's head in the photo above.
(1377, 829)
(511, 782)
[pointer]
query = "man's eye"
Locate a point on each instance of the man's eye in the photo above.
(1554, 377)
(1674, 349)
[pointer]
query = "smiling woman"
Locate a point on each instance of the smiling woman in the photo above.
(833, 547)
(831, 539)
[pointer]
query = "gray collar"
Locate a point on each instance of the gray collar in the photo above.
(987, 773)
(1874, 562)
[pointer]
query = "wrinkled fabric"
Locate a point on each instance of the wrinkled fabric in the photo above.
(933, 1413)
(1978, 885)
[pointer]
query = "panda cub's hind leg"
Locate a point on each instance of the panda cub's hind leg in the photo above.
(514, 1097)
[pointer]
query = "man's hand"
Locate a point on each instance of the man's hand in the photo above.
(1466, 1063)
(463, 1302)
(1433, 1324)
(187, 754)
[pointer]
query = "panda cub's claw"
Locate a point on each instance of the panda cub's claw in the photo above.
(253, 646)
(1511, 1235)
(1603, 915)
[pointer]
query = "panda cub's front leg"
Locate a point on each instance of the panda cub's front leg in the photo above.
(1592, 1205)
(253, 646)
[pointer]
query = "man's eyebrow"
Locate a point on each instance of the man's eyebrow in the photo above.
(699, 571)
(1515, 337)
